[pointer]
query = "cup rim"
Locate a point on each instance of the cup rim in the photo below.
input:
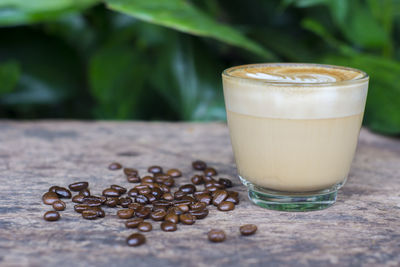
(227, 73)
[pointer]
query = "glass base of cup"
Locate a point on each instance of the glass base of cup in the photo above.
(290, 201)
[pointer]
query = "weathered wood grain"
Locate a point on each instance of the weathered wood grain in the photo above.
(362, 228)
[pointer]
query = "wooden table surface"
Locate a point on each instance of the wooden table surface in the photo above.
(361, 229)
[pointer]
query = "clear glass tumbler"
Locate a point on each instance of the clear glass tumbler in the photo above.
(294, 130)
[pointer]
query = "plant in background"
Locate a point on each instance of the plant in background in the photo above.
(162, 59)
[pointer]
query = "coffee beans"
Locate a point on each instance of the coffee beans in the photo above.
(51, 216)
(58, 205)
(216, 235)
(226, 206)
(152, 197)
(248, 229)
(133, 223)
(168, 226)
(145, 227)
(135, 240)
(199, 165)
(114, 166)
(78, 186)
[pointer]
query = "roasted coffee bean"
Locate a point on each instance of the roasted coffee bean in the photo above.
(248, 229)
(143, 212)
(53, 188)
(145, 191)
(133, 223)
(145, 227)
(92, 202)
(124, 201)
(187, 218)
(212, 189)
(188, 188)
(141, 186)
(199, 214)
(174, 173)
(163, 203)
(51, 216)
(134, 206)
(189, 199)
(100, 211)
(200, 193)
(168, 226)
(219, 196)
(197, 179)
(225, 182)
(59, 205)
(141, 199)
(233, 197)
(135, 240)
(183, 208)
(179, 194)
(169, 182)
(84, 192)
(111, 192)
(89, 214)
(165, 188)
(78, 186)
(198, 206)
(158, 215)
(101, 199)
(133, 179)
(78, 198)
(210, 172)
(147, 179)
(182, 202)
(79, 208)
(199, 165)
(133, 192)
(226, 206)
(125, 213)
(131, 172)
(156, 192)
(49, 198)
(174, 210)
(121, 190)
(205, 198)
(150, 198)
(171, 217)
(216, 235)
(208, 179)
(155, 169)
(62, 192)
(112, 202)
(114, 166)
(157, 208)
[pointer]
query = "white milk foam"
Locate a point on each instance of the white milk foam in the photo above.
(264, 91)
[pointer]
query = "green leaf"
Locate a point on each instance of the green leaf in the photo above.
(116, 76)
(183, 16)
(17, 12)
(383, 103)
(9, 76)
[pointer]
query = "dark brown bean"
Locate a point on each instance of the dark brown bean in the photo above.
(147, 179)
(248, 229)
(133, 192)
(179, 194)
(134, 206)
(187, 218)
(165, 188)
(135, 240)
(174, 210)
(112, 202)
(216, 235)
(198, 206)
(205, 198)
(51, 216)
(225, 182)
(124, 201)
(199, 214)
(233, 197)
(79, 208)
(150, 198)
(133, 179)
(144, 191)
(219, 196)
(143, 212)
(189, 198)
(212, 189)
(155, 169)
(174, 173)
(141, 199)
(133, 223)
(59, 205)
(199, 165)
(114, 166)
(168, 226)
(100, 212)
(78, 186)
(131, 172)
(158, 215)
(183, 208)
(78, 198)
(62, 192)
(145, 227)
(84, 192)
(210, 172)
(156, 192)
(89, 214)
(208, 179)
(121, 190)
(226, 206)
(125, 213)
(49, 198)
(188, 188)
(92, 202)
(182, 202)
(163, 203)
(171, 217)
(197, 179)
(111, 192)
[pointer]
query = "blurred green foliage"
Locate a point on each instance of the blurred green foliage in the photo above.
(162, 59)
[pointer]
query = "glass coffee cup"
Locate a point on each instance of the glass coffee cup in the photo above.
(294, 130)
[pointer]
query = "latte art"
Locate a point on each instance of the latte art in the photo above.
(297, 78)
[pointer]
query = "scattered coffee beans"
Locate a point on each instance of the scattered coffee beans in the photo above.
(168, 226)
(155, 169)
(51, 216)
(49, 198)
(210, 172)
(135, 240)
(78, 186)
(216, 235)
(125, 213)
(199, 165)
(114, 166)
(133, 223)
(59, 205)
(226, 206)
(248, 229)
(174, 173)
(89, 214)
(145, 227)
